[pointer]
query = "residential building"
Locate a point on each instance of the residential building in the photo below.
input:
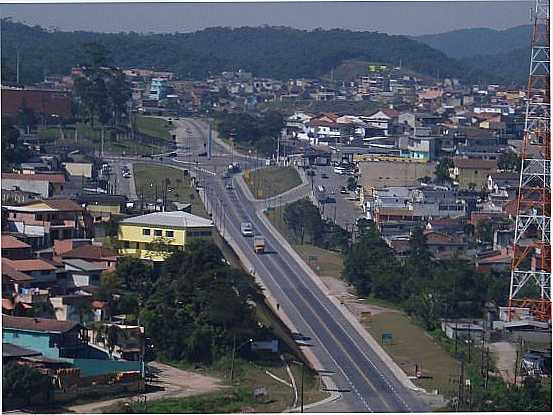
(43, 102)
(13, 248)
(42, 272)
(155, 235)
(472, 173)
(43, 221)
(81, 273)
(95, 254)
(46, 185)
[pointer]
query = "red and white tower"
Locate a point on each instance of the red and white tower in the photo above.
(531, 267)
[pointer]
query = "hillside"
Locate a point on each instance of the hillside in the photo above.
(509, 67)
(277, 52)
(472, 42)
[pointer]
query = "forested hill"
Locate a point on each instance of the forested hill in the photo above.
(276, 52)
(472, 42)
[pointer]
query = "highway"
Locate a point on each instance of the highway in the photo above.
(367, 384)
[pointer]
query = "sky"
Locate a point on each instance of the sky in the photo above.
(393, 17)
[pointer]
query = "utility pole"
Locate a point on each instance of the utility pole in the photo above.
(233, 355)
(209, 140)
(17, 67)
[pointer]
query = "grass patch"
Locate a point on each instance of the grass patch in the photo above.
(271, 181)
(116, 141)
(147, 176)
(155, 127)
(411, 346)
(328, 263)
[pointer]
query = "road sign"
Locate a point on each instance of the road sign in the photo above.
(387, 337)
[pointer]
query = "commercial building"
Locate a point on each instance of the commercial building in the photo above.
(154, 236)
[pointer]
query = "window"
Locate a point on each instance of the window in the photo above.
(146, 232)
(126, 244)
(158, 232)
(169, 234)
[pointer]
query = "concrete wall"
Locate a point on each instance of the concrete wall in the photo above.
(34, 341)
(95, 367)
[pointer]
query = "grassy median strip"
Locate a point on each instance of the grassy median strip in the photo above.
(155, 127)
(150, 182)
(271, 181)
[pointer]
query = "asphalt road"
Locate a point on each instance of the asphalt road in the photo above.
(367, 383)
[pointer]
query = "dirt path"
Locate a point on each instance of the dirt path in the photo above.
(175, 383)
(504, 354)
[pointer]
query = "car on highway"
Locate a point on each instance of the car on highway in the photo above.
(324, 176)
(343, 190)
(228, 186)
(246, 229)
(203, 154)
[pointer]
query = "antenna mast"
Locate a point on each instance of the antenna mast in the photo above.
(530, 286)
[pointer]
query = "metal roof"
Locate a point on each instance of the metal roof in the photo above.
(177, 219)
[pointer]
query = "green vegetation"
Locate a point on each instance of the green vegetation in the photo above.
(271, 181)
(357, 107)
(154, 127)
(195, 55)
(481, 41)
(117, 140)
(312, 239)
(13, 152)
(426, 288)
(442, 170)
(251, 130)
(509, 161)
(151, 180)
(23, 383)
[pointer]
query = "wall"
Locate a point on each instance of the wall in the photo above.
(34, 341)
(41, 187)
(94, 367)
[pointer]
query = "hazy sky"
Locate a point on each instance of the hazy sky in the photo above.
(410, 18)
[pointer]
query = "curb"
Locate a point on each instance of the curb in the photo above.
(386, 359)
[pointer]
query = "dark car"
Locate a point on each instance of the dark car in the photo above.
(324, 176)
(204, 154)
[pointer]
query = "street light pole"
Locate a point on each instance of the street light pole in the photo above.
(234, 350)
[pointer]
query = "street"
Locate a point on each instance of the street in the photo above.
(365, 382)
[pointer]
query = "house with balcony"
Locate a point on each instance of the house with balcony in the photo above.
(156, 235)
(43, 221)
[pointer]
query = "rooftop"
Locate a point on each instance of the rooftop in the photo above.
(10, 242)
(26, 265)
(12, 273)
(83, 265)
(52, 178)
(90, 252)
(177, 219)
(44, 325)
(475, 164)
(12, 350)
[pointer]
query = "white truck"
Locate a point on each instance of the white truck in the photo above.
(246, 229)
(259, 244)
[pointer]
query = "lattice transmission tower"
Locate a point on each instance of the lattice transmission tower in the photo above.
(531, 267)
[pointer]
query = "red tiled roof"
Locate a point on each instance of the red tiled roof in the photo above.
(7, 304)
(90, 252)
(37, 324)
(13, 274)
(26, 265)
(63, 204)
(53, 178)
(10, 242)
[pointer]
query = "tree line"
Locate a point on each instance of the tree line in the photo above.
(276, 52)
(304, 221)
(426, 288)
(258, 131)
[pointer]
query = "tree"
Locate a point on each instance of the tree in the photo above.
(13, 152)
(22, 382)
(198, 305)
(442, 170)
(351, 184)
(136, 275)
(509, 161)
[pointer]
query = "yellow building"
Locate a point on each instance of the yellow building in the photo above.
(156, 235)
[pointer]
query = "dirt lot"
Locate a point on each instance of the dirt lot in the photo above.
(174, 383)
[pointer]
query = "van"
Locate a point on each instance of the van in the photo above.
(246, 229)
